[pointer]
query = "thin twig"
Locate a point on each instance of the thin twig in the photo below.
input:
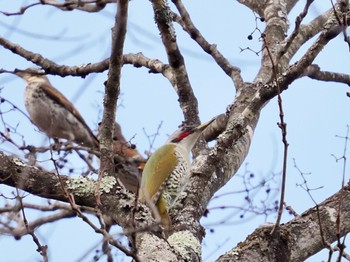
(340, 244)
(283, 126)
(295, 32)
(41, 249)
(308, 190)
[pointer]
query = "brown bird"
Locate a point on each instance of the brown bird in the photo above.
(52, 112)
(124, 149)
(56, 116)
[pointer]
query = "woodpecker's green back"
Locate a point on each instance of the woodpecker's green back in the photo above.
(156, 172)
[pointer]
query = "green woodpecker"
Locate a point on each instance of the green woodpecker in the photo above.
(167, 171)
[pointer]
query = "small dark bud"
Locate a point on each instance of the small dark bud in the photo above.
(206, 212)
(17, 237)
(250, 37)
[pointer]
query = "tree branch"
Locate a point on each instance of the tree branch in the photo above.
(314, 72)
(255, 6)
(187, 99)
(303, 34)
(185, 21)
(112, 90)
(50, 67)
(300, 238)
(91, 6)
(295, 71)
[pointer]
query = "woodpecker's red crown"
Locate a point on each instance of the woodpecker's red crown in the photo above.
(183, 132)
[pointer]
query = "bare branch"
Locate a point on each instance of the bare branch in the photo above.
(154, 65)
(297, 241)
(296, 30)
(187, 99)
(90, 6)
(283, 126)
(276, 17)
(304, 34)
(315, 72)
(256, 6)
(112, 91)
(51, 67)
(296, 70)
(41, 249)
(18, 231)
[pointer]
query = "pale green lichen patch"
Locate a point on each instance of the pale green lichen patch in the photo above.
(186, 244)
(18, 162)
(82, 185)
(107, 184)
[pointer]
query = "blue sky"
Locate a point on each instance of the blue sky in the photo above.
(315, 112)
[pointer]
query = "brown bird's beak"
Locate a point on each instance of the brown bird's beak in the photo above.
(25, 74)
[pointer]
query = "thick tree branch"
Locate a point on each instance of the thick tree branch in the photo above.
(255, 6)
(116, 202)
(187, 99)
(296, 70)
(315, 72)
(300, 238)
(302, 35)
(276, 17)
(212, 170)
(296, 30)
(112, 89)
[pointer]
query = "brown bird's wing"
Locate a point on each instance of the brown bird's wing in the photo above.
(156, 172)
(59, 98)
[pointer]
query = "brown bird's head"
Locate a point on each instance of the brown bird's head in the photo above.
(31, 74)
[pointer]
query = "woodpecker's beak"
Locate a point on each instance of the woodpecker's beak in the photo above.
(204, 126)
